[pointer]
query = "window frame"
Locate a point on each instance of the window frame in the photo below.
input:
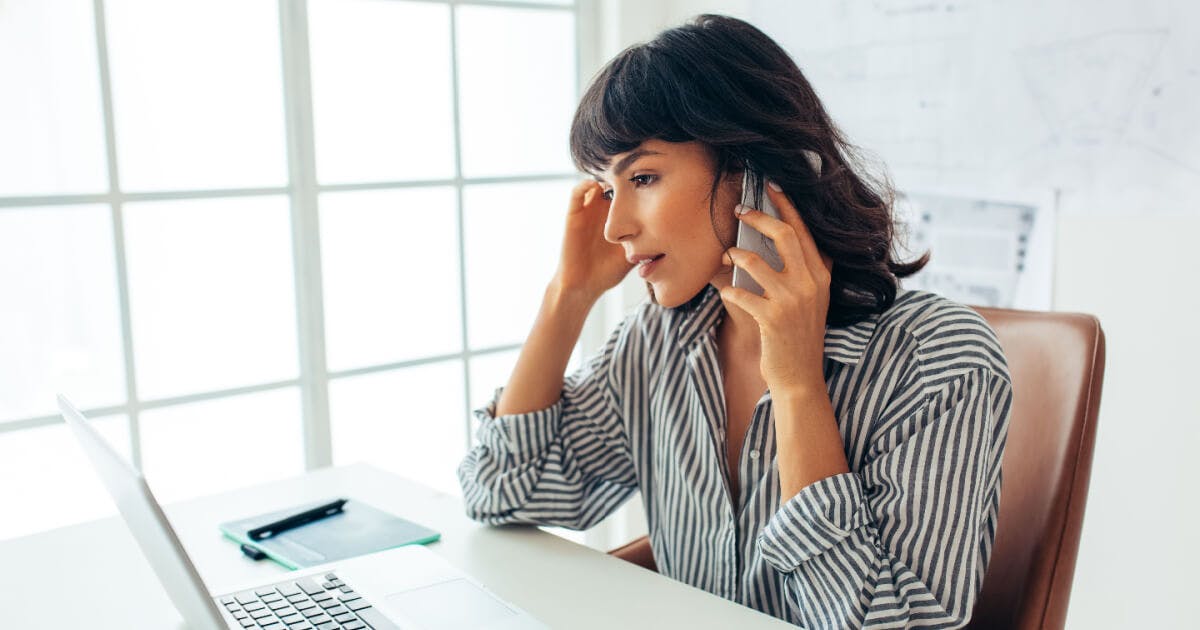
(302, 191)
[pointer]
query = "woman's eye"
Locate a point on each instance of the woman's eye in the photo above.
(636, 178)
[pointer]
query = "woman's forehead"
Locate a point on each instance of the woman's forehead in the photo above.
(620, 162)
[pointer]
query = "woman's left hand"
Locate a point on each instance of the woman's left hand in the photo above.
(792, 310)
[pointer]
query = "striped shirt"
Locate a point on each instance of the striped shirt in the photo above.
(922, 396)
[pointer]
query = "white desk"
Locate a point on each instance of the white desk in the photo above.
(86, 576)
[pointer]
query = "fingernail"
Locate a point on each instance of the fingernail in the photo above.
(740, 209)
(774, 186)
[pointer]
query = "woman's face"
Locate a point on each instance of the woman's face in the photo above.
(659, 205)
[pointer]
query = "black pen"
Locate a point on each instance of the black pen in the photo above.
(296, 520)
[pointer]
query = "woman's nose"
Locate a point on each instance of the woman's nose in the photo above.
(620, 224)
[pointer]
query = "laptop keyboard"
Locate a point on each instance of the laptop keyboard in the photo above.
(310, 603)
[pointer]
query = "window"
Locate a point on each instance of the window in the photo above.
(314, 234)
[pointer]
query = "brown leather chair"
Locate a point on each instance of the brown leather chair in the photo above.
(1056, 361)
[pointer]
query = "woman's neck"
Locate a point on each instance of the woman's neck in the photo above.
(739, 331)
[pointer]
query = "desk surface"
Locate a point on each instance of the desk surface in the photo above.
(85, 575)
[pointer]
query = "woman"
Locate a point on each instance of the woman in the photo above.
(828, 452)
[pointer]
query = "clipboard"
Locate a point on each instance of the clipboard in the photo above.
(354, 530)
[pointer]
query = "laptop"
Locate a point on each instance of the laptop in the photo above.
(405, 587)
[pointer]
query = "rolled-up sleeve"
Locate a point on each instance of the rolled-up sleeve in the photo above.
(905, 541)
(567, 465)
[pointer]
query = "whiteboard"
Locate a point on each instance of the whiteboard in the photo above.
(1098, 100)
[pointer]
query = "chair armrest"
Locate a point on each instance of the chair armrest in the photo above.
(637, 552)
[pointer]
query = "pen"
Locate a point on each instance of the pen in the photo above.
(296, 520)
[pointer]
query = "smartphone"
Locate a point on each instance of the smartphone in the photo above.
(754, 195)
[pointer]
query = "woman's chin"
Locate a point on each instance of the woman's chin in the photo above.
(669, 295)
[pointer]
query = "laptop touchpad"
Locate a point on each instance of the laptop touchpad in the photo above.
(453, 604)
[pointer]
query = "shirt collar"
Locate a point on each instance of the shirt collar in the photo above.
(844, 344)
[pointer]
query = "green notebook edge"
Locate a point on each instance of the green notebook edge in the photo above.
(291, 566)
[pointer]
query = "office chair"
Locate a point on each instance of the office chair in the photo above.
(1056, 361)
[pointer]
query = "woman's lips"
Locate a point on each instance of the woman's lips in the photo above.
(645, 269)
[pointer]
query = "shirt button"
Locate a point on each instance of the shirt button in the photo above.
(754, 454)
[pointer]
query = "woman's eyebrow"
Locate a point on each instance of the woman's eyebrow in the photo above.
(628, 160)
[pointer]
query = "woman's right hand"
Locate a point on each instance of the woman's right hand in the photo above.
(590, 265)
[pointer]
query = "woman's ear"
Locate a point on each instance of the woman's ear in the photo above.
(732, 178)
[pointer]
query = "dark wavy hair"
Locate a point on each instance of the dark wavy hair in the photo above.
(723, 82)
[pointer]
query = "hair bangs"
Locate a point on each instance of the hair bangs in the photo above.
(623, 107)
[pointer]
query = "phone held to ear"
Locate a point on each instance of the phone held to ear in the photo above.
(754, 195)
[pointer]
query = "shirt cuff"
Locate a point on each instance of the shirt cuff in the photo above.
(523, 436)
(816, 519)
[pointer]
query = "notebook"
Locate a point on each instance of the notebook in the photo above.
(358, 529)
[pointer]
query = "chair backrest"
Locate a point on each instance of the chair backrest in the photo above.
(1056, 361)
